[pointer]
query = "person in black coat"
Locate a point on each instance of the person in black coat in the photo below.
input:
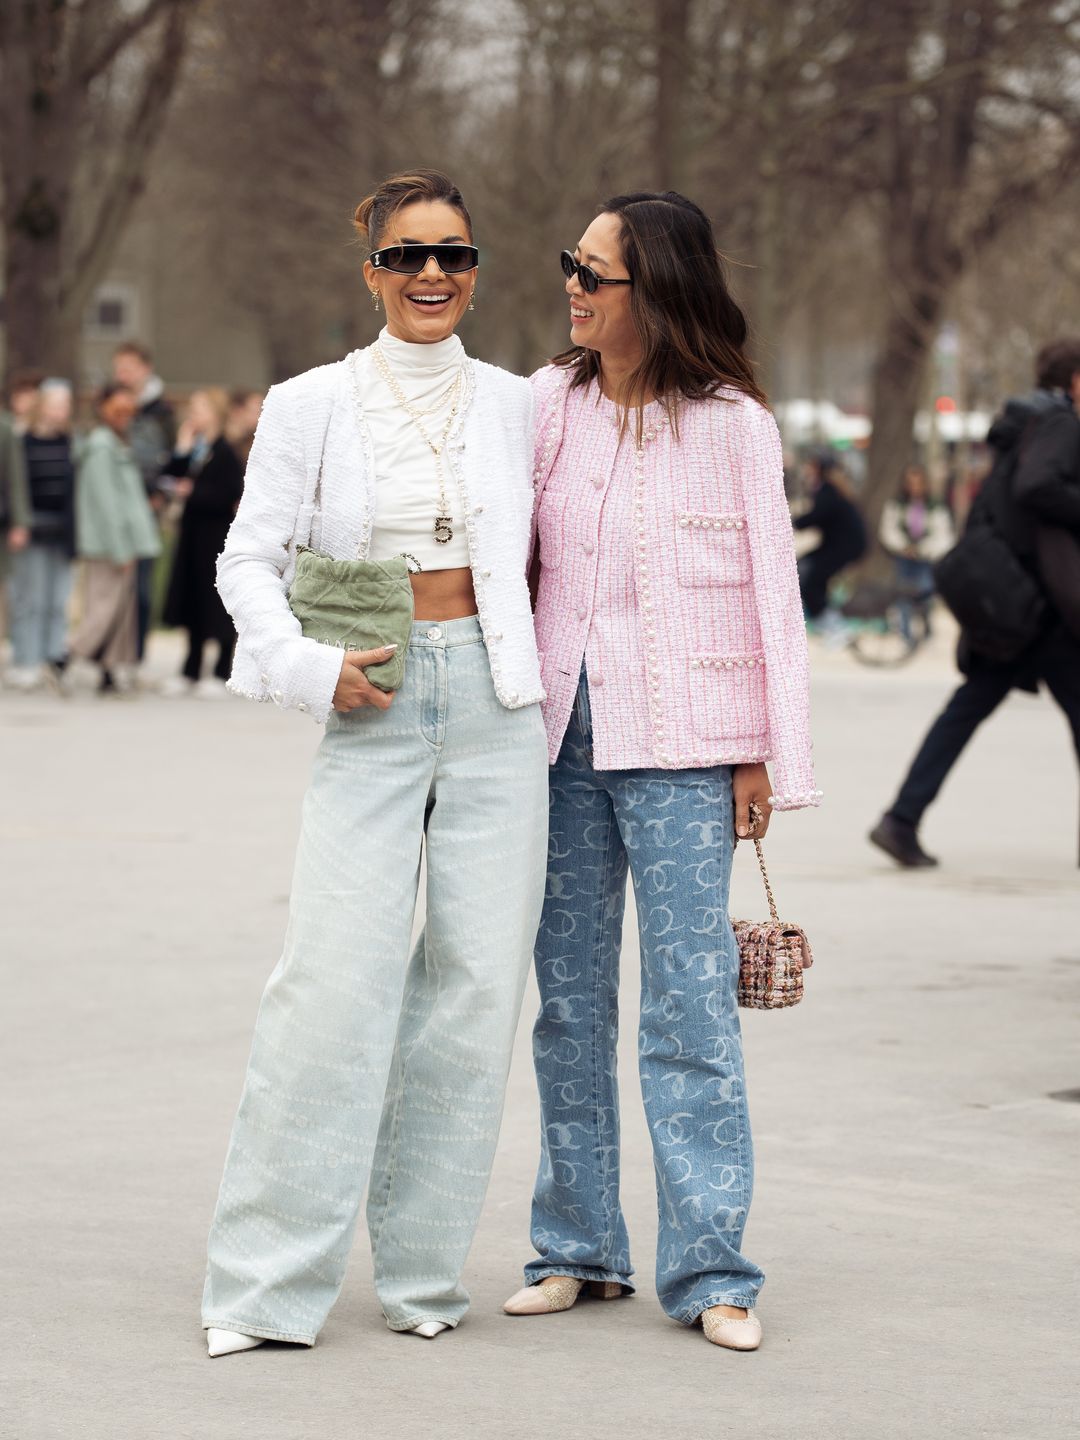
(843, 533)
(1037, 441)
(211, 481)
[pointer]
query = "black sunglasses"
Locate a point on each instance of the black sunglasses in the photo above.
(586, 274)
(411, 259)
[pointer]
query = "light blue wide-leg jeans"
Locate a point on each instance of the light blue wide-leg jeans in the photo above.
(39, 589)
(356, 1044)
(673, 831)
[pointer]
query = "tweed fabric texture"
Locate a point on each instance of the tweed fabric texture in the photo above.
(311, 481)
(670, 568)
(772, 958)
(367, 1067)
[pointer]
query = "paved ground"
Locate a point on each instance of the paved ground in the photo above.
(916, 1194)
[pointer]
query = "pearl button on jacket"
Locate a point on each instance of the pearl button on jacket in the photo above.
(311, 481)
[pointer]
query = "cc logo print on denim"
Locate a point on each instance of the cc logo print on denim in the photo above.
(672, 832)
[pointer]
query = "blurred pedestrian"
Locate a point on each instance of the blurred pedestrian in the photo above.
(114, 528)
(151, 437)
(210, 482)
(674, 660)
(244, 408)
(834, 513)
(41, 567)
(1031, 502)
(14, 497)
(916, 529)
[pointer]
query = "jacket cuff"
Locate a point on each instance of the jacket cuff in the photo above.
(796, 801)
(304, 677)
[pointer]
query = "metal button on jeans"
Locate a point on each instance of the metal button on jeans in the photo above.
(434, 633)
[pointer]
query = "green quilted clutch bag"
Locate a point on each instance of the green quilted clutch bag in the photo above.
(356, 605)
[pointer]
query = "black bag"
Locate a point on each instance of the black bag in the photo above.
(995, 597)
(1058, 552)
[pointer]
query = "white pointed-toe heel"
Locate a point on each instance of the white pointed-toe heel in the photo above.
(228, 1342)
(557, 1293)
(430, 1328)
(733, 1332)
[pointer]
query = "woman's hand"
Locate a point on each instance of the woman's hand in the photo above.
(750, 785)
(18, 538)
(354, 688)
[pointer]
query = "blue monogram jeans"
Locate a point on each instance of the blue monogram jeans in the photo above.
(673, 830)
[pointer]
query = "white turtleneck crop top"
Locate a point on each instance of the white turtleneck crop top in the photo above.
(406, 477)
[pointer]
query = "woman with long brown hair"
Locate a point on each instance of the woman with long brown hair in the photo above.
(674, 659)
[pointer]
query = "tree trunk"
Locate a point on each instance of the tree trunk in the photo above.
(897, 388)
(48, 79)
(32, 284)
(672, 20)
(37, 161)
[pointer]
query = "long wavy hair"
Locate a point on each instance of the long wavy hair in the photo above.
(691, 330)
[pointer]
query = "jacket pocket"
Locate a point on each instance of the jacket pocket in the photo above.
(727, 698)
(711, 548)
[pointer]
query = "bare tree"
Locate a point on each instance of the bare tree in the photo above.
(314, 104)
(974, 116)
(67, 70)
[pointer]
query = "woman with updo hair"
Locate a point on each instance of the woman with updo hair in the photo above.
(369, 1068)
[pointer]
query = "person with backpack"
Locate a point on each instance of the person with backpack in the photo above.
(1013, 582)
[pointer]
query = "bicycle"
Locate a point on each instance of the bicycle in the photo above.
(887, 624)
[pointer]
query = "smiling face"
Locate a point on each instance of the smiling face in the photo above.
(423, 308)
(603, 321)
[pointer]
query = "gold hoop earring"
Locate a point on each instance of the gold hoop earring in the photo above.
(375, 300)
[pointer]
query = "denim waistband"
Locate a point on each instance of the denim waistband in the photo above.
(442, 634)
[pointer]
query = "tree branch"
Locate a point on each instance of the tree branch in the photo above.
(123, 187)
(98, 58)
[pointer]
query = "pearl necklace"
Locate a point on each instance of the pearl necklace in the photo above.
(444, 532)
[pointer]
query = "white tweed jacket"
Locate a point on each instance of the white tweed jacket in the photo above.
(311, 481)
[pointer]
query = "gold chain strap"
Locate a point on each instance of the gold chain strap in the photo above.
(765, 877)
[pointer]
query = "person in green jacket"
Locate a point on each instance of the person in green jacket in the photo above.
(114, 528)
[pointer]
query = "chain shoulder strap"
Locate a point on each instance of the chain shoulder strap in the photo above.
(765, 876)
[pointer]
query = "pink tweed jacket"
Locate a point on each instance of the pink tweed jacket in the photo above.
(670, 570)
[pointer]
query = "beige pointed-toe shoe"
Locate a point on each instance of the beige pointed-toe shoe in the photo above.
(558, 1292)
(733, 1332)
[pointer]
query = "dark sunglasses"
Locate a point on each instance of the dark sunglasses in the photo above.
(411, 259)
(587, 276)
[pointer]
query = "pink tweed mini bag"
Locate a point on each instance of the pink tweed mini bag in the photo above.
(772, 956)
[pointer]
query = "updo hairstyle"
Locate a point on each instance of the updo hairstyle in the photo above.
(375, 211)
